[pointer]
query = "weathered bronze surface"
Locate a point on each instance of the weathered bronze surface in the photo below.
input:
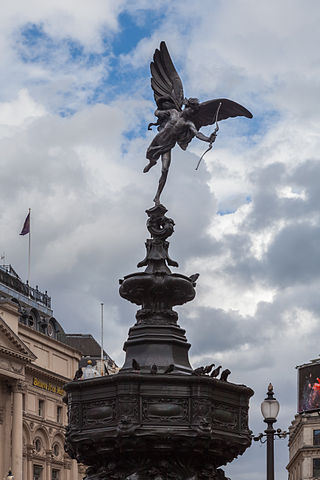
(156, 426)
(158, 418)
(179, 118)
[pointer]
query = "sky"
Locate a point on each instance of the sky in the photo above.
(75, 102)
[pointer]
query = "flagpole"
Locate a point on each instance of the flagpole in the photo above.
(29, 249)
(102, 363)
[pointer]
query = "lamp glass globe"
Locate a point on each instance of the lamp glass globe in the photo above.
(270, 408)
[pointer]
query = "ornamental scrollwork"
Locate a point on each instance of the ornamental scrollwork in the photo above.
(74, 415)
(165, 410)
(98, 412)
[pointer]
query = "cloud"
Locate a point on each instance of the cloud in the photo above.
(73, 136)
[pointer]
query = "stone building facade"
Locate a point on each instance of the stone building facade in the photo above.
(304, 447)
(34, 366)
(304, 438)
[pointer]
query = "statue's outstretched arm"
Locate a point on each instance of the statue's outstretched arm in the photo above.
(201, 136)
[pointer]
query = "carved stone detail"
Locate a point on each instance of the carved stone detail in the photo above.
(201, 408)
(98, 413)
(149, 316)
(128, 406)
(164, 410)
(244, 418)
(225, 416)
(74, 415)
(11, 366)
(160, 227)
(19, 387)
(155, 468)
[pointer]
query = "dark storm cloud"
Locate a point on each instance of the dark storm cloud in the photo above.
(294, 255)
(215, 330)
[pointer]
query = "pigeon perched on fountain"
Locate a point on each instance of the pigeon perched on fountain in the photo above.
(169, 369)
(198, 371)
(135, 365)
(154, 369)
(215, 372)
(208, 369)
(224, 375)
(78, 374)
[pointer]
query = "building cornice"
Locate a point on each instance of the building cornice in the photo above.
(38, 422)
(301, 420)
(22, 352)
(43, 372)
(306, 450)
(45, 339)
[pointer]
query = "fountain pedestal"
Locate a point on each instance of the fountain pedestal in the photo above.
(156, 419)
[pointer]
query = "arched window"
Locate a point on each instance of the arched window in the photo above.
(56, 450)
(38, 444)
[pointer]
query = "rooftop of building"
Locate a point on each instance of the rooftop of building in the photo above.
(12, 286)
(86, 344)
(36, 313)
(312, 362)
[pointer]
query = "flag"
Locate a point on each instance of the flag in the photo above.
(26, 226)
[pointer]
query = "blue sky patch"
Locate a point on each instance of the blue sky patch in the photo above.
(133, 28)
(225, 212)
(114, 79)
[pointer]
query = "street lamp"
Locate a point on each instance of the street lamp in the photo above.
(270, 408)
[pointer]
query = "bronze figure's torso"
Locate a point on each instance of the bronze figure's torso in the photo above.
(180, 119)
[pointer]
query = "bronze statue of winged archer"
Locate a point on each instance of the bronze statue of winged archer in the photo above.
(180, 119)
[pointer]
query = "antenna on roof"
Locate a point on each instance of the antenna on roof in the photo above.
(102, 362)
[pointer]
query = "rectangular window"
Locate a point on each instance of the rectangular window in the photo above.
(37, 472)
(41, 408)
(24, 402)
(316, 437)
(59, 414)
(316, 467)
(55, 474)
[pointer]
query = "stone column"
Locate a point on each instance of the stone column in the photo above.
(25, 468)
(5, 446)
(74, 470)
(47, 466)
(30, 466)
(17, 442)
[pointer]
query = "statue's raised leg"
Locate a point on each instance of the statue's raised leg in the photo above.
(166, 160)
(150, 165)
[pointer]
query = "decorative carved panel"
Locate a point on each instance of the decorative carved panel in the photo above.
(74, 415)
(164, 409)
(244, 418)
(225, 416)
(201, 408)
(128, 406)
(98, 413)
(11, 366)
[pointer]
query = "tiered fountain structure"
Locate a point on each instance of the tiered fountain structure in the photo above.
(157, 419)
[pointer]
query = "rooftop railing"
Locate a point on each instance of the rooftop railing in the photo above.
(11, 279)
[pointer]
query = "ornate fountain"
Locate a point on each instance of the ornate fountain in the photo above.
(158, 418)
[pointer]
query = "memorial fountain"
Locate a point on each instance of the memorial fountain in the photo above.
(159, 418)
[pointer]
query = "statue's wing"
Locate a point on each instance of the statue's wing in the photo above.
(207, 113)
(165, 80)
